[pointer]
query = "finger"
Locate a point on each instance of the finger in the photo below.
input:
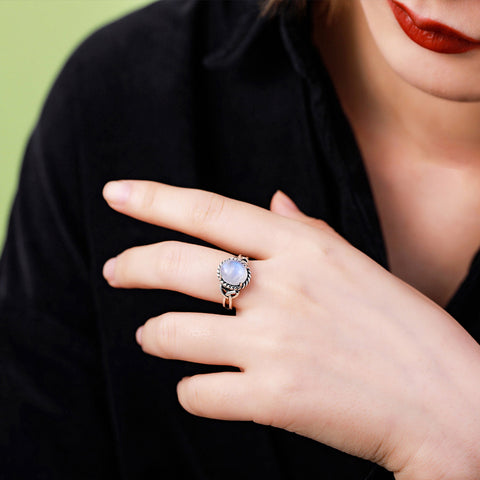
(195, 337)
(223, 395)
(230, 224)
(177, 266)
(285, 206)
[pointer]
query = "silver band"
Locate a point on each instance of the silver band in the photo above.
(234, 274)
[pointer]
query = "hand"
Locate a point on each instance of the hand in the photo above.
(328, 343)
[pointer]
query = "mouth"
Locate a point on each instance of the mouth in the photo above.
(430, 34)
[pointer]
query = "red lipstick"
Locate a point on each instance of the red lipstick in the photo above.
(431, 34)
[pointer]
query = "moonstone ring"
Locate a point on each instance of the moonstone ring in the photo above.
(234, 275)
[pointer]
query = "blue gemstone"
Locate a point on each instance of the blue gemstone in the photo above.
(233, 272)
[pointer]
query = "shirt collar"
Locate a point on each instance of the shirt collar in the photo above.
(296, 35)
(294, 32)
(242, 36)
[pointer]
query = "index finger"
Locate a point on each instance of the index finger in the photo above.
(230, 224)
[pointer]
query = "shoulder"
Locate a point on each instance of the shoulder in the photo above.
(142, 81)
(157, 48)
(162, 34)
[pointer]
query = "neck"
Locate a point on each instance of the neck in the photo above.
(374, 97)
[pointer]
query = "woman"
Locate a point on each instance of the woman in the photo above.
(356, 325)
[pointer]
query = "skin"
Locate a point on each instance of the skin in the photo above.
(421, 151)
(337, 348)
(333, 357)
(446, 77)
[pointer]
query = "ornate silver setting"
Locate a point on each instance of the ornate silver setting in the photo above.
(229, 290)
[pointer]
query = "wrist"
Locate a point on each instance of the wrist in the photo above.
(449, 447)
(440, 437)
(460, 463)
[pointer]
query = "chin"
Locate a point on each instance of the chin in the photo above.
(453, 94)
(451, 77)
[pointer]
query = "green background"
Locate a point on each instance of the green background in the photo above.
(36, 37)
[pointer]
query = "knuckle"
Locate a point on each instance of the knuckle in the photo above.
(190, 395)
(166, 335)
(274, 339)
(321, 225)
(317, 245)
(279, 344)
(207, 209)
(169, 260)
(299, 239)
(283, 390)
(325, 231)
(122, 266)
(148, 197)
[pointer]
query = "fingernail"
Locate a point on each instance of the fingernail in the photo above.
(117, 192)
(286, 201)
(109, 269)
(138, 335)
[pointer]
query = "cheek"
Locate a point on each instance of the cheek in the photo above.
(449, 76)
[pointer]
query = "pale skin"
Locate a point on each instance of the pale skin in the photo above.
(329, 344)
(421, 151)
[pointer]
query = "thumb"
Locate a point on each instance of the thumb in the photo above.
(285, 206)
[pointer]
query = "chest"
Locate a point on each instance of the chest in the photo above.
(430, 220)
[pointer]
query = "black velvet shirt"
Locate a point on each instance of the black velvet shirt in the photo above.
(192, 93)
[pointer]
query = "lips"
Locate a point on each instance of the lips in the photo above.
(431, 34)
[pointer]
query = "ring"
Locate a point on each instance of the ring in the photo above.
(234, 274)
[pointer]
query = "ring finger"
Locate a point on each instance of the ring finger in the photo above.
(177, 266)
